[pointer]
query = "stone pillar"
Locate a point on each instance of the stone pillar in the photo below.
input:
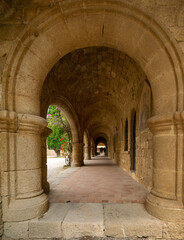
(44, 135)
(77, 154)
(166, 198)
(22, 194)
(92, 151)
(107, 151)
(87, 152)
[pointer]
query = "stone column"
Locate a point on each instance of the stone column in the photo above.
(87, 152)
(107, 151)
(44, 135)
(92, 151)
(165, 200)
(22, 194)
(77, 154)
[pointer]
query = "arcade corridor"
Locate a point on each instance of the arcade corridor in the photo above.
(115, 69)
(99, 181)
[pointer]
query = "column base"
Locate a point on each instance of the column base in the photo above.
(77, 164)
(164, 209)
(24, 209)
(87, 157)
(46, 187)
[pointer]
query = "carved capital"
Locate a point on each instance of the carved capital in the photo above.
(17, 122)
(8, 121)
(179, 121)
(46, 132)
(161, 124)
(31, 123)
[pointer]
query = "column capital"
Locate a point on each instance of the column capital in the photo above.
(162, 123)
(179, 121)
(8, 121)
(46, 132)
(16, 122)
(165, 123)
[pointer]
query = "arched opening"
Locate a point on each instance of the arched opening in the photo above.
(39, 50)
(101, 146)
(59, 148)
(101, 149)
(60, 139)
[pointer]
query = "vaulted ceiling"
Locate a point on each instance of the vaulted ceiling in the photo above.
(98, 81)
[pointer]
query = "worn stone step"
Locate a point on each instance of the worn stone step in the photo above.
(89, 221)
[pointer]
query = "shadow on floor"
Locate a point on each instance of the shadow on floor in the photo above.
(99, 161)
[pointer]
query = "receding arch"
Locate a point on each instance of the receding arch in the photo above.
(105, 135)
(69, 112)
(101, 140)
(162, 65)
(55, 33)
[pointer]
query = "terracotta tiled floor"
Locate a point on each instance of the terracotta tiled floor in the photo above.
(98, 181)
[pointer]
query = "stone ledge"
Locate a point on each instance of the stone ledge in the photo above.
(84, 220)
(90, 221)
(49, 226)
(130, 220)
(16, 230)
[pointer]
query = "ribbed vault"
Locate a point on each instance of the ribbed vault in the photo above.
(99, 82)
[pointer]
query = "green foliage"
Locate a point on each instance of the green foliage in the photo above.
(60, 137)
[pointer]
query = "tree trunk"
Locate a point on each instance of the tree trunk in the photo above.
(58, 153)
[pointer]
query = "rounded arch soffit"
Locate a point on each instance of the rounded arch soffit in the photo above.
(38, 48)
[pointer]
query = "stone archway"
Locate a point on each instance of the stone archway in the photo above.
(48, 38)
(103, 135)
(103, 141)
(71, 116)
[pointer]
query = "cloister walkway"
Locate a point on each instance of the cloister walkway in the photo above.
(86, 203)
(99, 181)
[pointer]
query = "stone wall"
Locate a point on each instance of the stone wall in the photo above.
(141, 104)
(144, 158)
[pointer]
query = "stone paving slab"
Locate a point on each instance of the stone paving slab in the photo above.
(84, 220)
(130, 220)
(16, 229)
(98, 221)
(49, 226)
